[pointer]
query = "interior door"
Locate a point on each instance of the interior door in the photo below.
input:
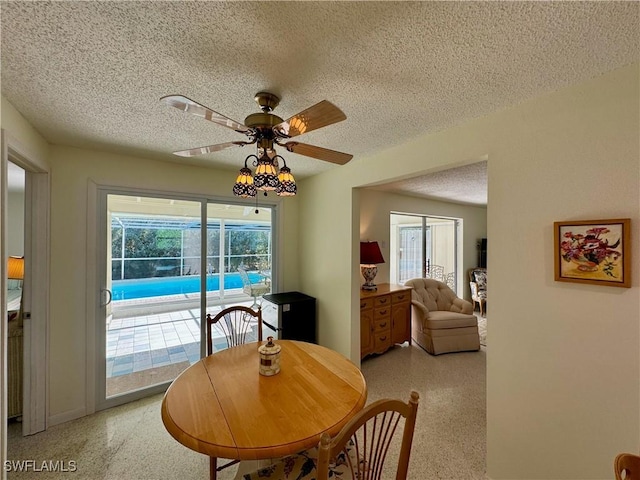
(35, 225)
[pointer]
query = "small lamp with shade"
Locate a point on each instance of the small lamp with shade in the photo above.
(370, 256)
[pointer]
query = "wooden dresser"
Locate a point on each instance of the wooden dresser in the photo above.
(385, 318)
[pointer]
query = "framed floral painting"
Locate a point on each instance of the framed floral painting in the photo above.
(593, 251)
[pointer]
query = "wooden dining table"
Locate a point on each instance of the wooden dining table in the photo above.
(222, 407)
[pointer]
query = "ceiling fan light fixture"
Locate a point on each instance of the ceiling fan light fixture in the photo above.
(244, 186)
(286, 183)
(264, 129)
(266, 177)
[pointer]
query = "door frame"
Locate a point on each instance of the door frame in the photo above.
(35, 410)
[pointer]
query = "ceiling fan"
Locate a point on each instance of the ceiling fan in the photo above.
(266, 129)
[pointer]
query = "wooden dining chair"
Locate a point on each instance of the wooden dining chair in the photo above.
(362, 445)
(358, 451)
(236, 323)
(627, 466)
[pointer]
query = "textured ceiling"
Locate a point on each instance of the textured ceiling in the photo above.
(466, 185)
(90, 74)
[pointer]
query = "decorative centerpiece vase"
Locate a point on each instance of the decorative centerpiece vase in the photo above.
(269, 358)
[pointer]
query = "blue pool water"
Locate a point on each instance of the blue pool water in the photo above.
(157, 287)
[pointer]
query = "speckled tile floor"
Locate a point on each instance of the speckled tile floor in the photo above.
(130, 443)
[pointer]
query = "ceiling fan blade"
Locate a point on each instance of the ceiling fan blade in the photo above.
(187, 105)
(209, 148)
(317, 152)
(320, 115)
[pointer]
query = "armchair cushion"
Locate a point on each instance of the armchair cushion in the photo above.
(437, 320)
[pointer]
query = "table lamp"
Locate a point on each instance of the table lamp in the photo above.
(15, 268)
(370, 255)
(15, 271)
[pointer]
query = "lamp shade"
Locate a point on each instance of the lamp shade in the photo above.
(244, 186)
(266, 177)
(370, 253)
(286, 183)
(15, 268)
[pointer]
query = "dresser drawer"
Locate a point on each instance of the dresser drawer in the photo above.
(381, 325)
(380, 313)
(381, 301)
(401, 297)
(366, 303)
(385, 318)
(381, 341)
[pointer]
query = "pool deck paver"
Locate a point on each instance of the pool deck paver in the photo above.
(142, 342)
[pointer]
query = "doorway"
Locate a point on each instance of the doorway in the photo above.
(24, 185)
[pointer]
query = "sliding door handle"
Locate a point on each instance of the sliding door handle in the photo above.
(108, 296)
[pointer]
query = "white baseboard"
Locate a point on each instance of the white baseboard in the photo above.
(66, 416)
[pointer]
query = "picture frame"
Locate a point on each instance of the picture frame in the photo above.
(595, 252)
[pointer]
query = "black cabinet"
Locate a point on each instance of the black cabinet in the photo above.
(289, 316)
(482, 253)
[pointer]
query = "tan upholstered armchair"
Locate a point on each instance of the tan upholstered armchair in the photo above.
(441, 322)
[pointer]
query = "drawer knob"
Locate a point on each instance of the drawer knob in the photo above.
(382, 339)
(382, 325)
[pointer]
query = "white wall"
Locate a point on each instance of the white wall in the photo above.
(22, 135)
(375, 209)
(563, 364)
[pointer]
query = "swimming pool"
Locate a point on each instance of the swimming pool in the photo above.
(157, 287)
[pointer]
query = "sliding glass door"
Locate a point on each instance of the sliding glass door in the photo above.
(167, 263)
(153, 276)
(236, 237)
(424, 246)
